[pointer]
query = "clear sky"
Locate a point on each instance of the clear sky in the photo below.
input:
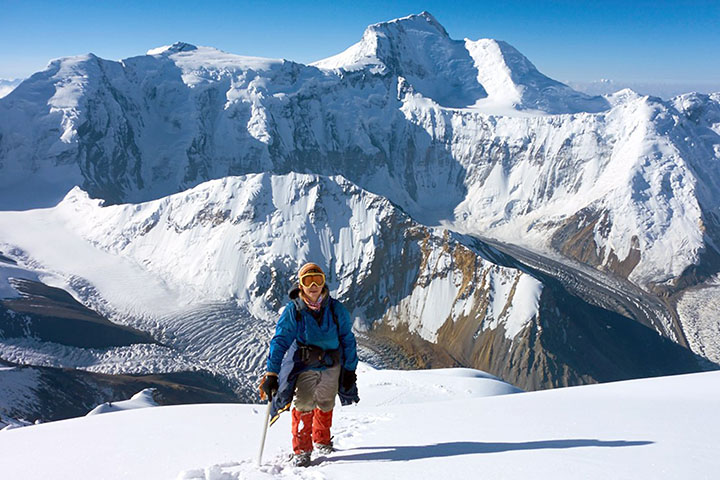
(659, 41)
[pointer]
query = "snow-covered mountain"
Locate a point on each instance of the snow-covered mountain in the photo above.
(662, 89)
(206, 271)
(640, 171)
(211, 176)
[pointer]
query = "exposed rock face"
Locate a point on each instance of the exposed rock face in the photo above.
(576, 239)
(52, 315)
(566, 341)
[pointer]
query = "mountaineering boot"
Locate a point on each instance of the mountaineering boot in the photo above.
(300, 459)
(302, 425)
(322, 421)
(324, 448)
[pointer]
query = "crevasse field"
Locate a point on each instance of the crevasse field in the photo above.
(454, 423)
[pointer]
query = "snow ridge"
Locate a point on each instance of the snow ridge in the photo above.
(511, 80)
(206, 271)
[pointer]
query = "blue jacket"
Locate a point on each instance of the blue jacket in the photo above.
(324, 334)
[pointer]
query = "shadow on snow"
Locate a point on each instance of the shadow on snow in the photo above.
(451, 449)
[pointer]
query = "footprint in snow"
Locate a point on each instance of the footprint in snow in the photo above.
(248, 470)
(348, 429)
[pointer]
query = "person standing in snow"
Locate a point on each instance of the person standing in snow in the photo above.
(313, 357)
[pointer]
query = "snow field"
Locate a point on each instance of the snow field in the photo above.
(662, 428)
(606, 431)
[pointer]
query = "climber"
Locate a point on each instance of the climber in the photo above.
(312, 358)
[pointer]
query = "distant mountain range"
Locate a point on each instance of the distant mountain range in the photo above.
(664, 90)
(8, 85)
(468, 209)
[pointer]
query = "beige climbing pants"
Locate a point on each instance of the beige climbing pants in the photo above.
(317, 388)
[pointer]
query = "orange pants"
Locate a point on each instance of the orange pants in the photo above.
(308, 427)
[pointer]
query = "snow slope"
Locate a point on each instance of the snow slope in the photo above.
(142, 399)
(662, 428)
(513, 82)
(207, 270)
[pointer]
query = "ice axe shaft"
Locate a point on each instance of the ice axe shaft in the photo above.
(264, 432)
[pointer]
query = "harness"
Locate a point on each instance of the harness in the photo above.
(314, 356)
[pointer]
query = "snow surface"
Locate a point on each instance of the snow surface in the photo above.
(437, 427)
(142, 399)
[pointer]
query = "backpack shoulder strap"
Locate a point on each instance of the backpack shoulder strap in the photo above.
(298, 317)
(334, 313)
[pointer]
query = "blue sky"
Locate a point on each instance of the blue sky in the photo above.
(659, 41)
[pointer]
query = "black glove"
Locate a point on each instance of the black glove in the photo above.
(348, 379)
(269, 386)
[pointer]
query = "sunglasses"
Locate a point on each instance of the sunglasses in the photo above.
(309, 279)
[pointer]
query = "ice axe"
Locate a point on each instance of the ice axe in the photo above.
(265, 428)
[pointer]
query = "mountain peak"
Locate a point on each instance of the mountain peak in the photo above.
(176, 47)
(456, 73)
(420, 22)
(420, 50)
(385, 45)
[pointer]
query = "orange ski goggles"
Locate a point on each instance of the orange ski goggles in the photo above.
(308, 279)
